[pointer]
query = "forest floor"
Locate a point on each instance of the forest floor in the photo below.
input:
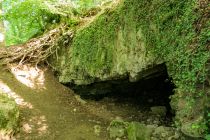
(51, 111)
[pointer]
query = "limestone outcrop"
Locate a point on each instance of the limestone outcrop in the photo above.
(130, 38)
(112, 46)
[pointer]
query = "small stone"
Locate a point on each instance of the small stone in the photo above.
(159, 130)
(118, 118)
(155, 122)
(148, 120)
(151, 126)
(97, 129)
(118, 139)
(163, 135)
(150, 100)
(159, 110)
(78, 98)
(176, 136)
(74, 109)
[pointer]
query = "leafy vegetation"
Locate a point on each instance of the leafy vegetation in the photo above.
(30, 18)
(9, 114)
(177, 31)
(170, 29)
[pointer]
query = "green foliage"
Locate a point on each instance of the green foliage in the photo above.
(3, 120)
(117, 128)
(26, 19)
(88, 44)
(170, 29)
(138, 131)
(208, 125)
(207, 137)
(9, 114)
(131, 130)
(85, 5)
(30, 18)
(23, 20)
(177, 31)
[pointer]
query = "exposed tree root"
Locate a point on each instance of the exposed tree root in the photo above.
(38, 49)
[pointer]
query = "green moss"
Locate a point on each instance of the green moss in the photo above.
(94, 45)
(138, 131)
(117, 129)
(111, 46)
(177, 32)
(9, 115)
(170, 30)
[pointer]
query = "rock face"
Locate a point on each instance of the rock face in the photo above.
(118, 43)
(110, 47)
(190, 118)
(9, 116)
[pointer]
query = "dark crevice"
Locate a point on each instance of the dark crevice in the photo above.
(154, 89)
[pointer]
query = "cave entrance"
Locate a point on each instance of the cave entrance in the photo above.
(151, 90)
(154, 89)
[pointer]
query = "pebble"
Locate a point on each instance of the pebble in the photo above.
(163, 135)
(159, 110)
(97, 129)
(156, 122)
(151, 126)
(150, 100)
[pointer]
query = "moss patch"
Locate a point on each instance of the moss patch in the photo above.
(112, 46)
(9, 115)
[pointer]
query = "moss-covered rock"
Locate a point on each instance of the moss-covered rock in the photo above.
(138, 131)
(189, 114)
(112, 46)
(194, 128)
(124, 40)
(9, 115)
(117, 129)
(159, 110)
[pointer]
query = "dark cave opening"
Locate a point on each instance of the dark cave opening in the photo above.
(154, 89)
